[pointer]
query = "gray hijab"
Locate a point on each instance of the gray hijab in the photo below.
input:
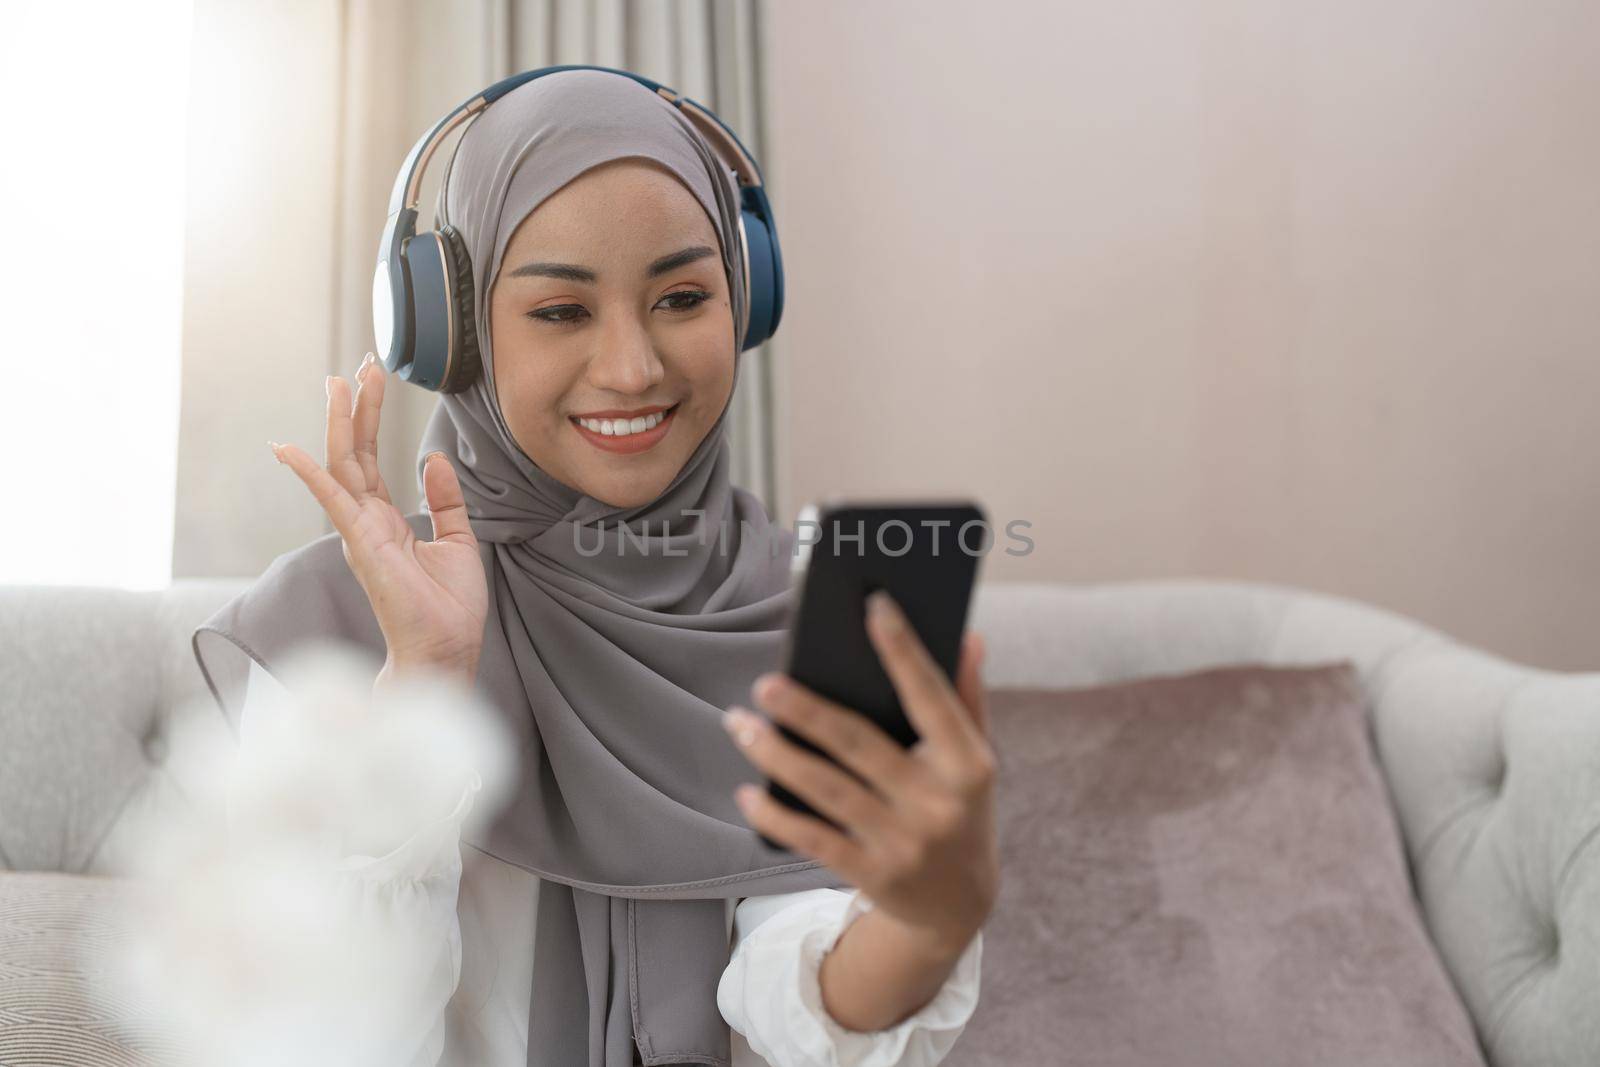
(610, 651)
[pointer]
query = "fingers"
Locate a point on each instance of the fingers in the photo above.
(858, 743)
(445, 502)
(829, 790)
(368, 408)
(339, 443)
(341, 507)
(969, 680)
(803, 833)
(929, 700)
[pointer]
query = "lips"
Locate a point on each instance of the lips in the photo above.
(625, 432)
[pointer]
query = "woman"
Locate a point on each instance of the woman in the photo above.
(608, 292)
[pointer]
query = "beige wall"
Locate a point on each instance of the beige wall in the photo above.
(1217, 290)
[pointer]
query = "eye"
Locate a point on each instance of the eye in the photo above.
(560, 314)
(694, 298)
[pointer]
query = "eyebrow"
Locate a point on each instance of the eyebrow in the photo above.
(573, 273)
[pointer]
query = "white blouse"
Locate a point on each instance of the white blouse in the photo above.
(473, 915)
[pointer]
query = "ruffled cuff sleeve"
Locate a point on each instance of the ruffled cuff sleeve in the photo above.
(771, 992)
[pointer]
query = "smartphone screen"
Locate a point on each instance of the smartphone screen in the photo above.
(926, 556)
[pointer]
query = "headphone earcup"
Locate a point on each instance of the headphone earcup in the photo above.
(765, 284)
(466, 363)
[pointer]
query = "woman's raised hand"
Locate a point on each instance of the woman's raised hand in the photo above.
(430, 597)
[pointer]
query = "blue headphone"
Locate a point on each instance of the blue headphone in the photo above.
(422, 295)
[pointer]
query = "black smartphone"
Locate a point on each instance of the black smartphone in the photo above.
(926, 556)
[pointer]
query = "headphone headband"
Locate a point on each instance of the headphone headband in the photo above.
(407, 189)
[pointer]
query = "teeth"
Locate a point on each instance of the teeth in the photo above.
(623, 427)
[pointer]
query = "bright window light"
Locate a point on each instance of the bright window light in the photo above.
(97, 98)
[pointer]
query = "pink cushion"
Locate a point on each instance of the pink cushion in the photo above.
(1204, 870)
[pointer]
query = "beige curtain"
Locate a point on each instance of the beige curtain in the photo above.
(304, 110)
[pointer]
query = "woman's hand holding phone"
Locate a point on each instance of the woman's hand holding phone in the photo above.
(430, 597)
(920, 839)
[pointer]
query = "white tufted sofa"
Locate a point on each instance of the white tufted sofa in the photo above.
(1494, 768)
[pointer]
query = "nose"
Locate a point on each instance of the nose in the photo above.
(625, 359)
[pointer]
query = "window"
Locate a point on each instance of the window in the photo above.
(93, 186)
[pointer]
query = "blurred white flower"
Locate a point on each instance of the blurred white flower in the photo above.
(267, 930)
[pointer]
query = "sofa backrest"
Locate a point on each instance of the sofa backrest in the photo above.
(90, 682)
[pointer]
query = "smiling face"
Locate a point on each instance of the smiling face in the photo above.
(613, 332)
